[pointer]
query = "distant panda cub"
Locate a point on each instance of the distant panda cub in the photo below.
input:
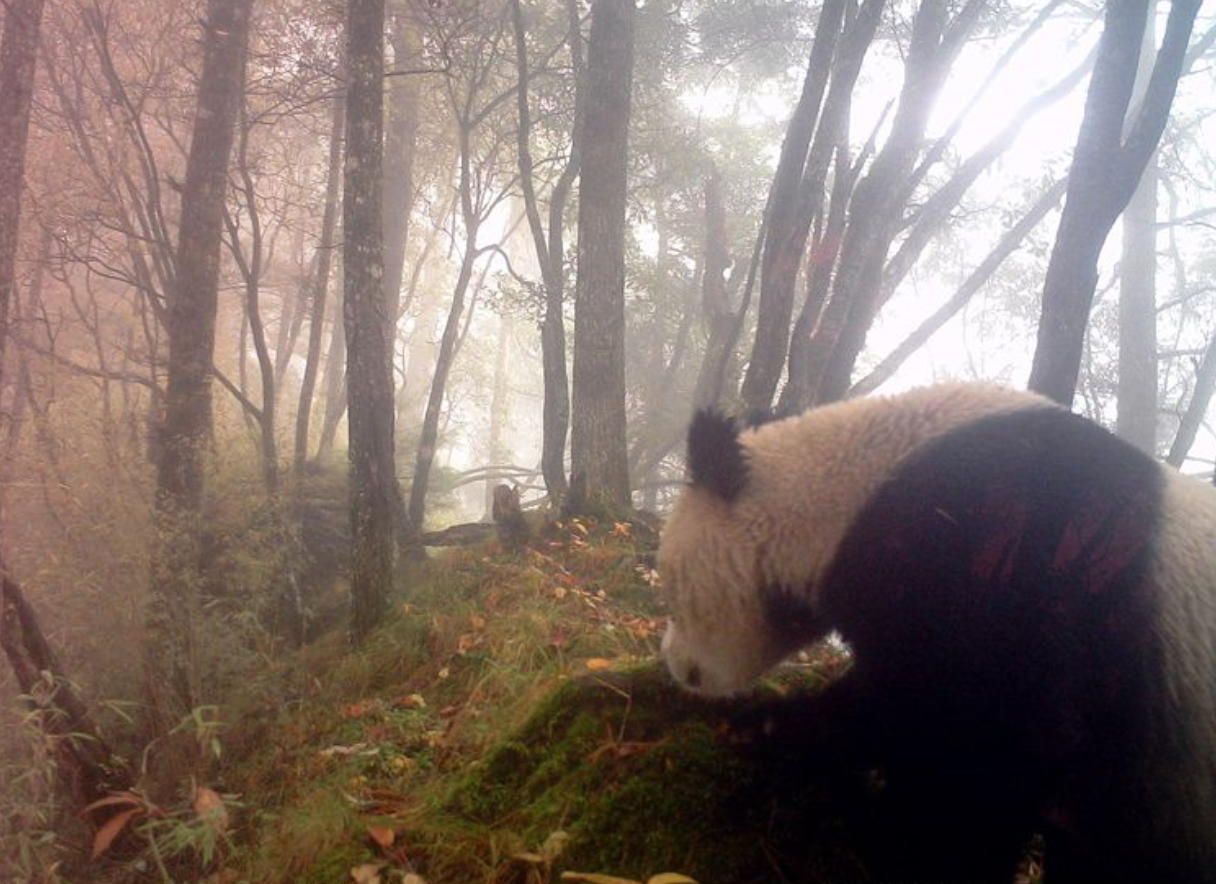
(1030, 601)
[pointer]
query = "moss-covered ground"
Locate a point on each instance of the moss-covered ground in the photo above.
(510, 722)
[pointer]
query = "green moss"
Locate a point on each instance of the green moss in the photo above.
(335, 866)
(641, 779)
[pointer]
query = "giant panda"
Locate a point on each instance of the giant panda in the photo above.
(1031, 607)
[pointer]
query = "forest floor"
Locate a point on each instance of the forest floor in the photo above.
(510, 723)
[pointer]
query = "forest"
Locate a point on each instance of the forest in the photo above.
(348, 350)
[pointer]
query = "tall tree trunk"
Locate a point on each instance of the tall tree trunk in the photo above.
(550, 248)
(429, 438)
(831, 139)
(599, 452)
(320, 284)
(400, 147)
(876, 209)
(186, 425)
(369, 338)
(1137, 391)
(18, 63)
(789, 220)
(1106, 168)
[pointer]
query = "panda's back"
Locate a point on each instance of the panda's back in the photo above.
(1035, 589)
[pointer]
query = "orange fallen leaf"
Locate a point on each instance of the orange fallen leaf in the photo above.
(598, 664)
(382, 835)
(114, 825)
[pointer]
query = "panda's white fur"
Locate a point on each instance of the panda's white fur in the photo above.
(808, 477)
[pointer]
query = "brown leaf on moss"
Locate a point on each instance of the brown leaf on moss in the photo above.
(382, 835)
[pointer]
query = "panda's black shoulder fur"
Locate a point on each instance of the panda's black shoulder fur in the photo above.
(716, 460)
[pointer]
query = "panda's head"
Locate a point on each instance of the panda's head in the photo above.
(721, 635)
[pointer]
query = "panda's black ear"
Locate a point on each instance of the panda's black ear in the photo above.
(715, 456)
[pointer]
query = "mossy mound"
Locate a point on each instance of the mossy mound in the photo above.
(644, 779)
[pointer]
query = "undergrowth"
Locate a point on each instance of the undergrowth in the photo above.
(508, 723)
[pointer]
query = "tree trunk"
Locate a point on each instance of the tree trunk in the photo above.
(598, 441)
(1137, 390)
(550, 249)
(716, 314)
(972, 284)
(320, 284)
(1196, 409)
(831, 139)
(876, 209)
(429, 438)
(400, 147)
(499, 407)
(369, 345)
(1105, 171)
(186, 424)
(86, 766)
(789, 222)
(18, 63)
(251, 271)
(335, 378)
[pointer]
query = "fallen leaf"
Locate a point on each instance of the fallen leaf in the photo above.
(670, 878)
(114, 825)
(622, 529)
(210, 808)
(598, 664)
(129, 798)
(382, 835)
(596, 879)
(367, 873)
(554, 845)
